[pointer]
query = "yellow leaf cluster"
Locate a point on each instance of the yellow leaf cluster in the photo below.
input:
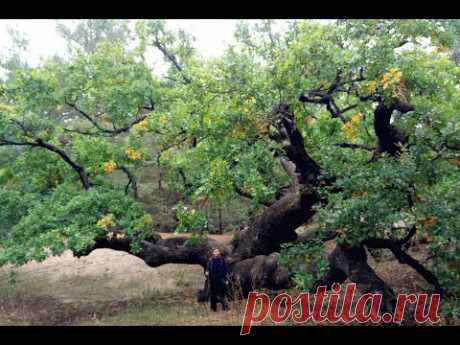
(309, 119)
(141, 126)
(357, 118)
(262, 127)
(106, 222)
(109, 166)
(6, 107)
(221, 193)
(118, 236)
(350, 129)
(163, 120)
(372, 87)
(133, 155)
(393, 76)
(147, 219)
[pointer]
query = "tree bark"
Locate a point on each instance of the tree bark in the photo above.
(352, 263)
(389, 137)
(252, 255)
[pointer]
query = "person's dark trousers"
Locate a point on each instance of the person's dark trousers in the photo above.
(218, 296)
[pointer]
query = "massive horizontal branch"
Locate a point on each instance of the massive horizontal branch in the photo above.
(156, 252)
(262, 271)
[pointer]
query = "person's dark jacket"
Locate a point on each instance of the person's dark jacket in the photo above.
(217, 270)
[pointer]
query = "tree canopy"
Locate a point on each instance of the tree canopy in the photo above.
(367, 120)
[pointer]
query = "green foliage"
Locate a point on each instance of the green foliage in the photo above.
(190, 219)
(14, 207)
(195, 239)
(68, 219)
(450, 308)
(306, 262)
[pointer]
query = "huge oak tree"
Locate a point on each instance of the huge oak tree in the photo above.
(351, 126)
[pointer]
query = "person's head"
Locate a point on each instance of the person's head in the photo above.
(216, 253)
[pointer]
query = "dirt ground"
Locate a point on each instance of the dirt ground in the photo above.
(114, 288)
(67, 289)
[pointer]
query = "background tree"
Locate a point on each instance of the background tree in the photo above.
(11, 59)
(87, 34)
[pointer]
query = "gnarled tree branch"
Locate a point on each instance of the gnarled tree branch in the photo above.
(131, 181)
(111, 132)
(403, 257)
(38, 142)
(172, 58)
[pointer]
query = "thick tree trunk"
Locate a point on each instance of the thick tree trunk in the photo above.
(252, 255)
(352, 263)
(389, 137)
(275, 226)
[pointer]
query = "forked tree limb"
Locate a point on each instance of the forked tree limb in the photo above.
(132, 181)
(405, 258)
(171, 58)
(38, 142)
(110, 132)
(390, 138)
(351, 263)
(293, 144)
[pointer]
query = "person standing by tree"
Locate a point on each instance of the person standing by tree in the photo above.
(217, 273)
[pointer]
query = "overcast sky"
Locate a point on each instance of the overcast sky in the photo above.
(211, 36)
